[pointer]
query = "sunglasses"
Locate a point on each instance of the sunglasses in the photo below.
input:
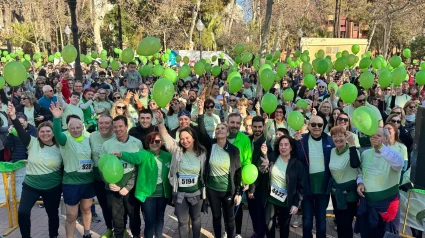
(321, 86)
(115, 98)
(24, 98)
(209, 107)
(316, 124)
(361, 101)
(233, 100)
(388, 89)
(153, 142)
(343, 119)
(396, 121)
(49, 91)
(123, 108)
(412, 107)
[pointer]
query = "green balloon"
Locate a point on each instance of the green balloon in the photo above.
(345, 53)
(184, 71)
(235, 84)
(269, 57)
(103, 159)
(170, 74)
(296, 119)
(249, 174)
(376, 63)
(238, 59)
(27, 57)
(20, 53)
(281, 69)
(104, 64)
(2, 82)
(398, 76)
(69, 53)
(267, 79)
(366, 80)
(407, 53)
(309, 81)
(351, 60)
(340, 64)
(415, 61)
(216, 70)
(114, 171)
(5, 53)
(247, 57)
(239, 48)
(8, 57)
(365, 120)
(127, 55)
(365, 63)
(3, 59)
(395, 61)
(115, 65)
(168, 51)
(148, 46)
(338, 55)
(306, 52)
(57, 55)
(158, 70)
(306, 68)
(321, 66)
(256, 64)
(321, 53)
(13, 55)
(88, 60)
(269, 103)
(214, 58)
(423, 65)
(156, 62)
(146, 70)
(334, 86)
(304, 58)
(420, 77)
(14, 132)
(103, 57)
(330, 65)
(355, 49)
(288, 95)
(232, 75)
(51, 58)
(14, 73)
(221, 55)
(178, 58)
(301, 103)
(384, 78)
(199, 68)
(263, 67)
(276, 55)
(163, 92)
(27, 64)
(37, 56)
(208, 67)
(348, 93)
(297, 53)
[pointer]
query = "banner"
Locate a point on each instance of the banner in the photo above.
(19, 179)
(416, 215)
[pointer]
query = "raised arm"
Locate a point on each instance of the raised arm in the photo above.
(170, 144)
(57, 127)
(135, 158)
(22, 134)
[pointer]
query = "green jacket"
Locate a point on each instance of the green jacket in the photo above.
(243, 143)
(148, 172)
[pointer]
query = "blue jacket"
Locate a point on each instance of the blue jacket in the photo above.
(17, 149)
(303, 156)
(45, 102)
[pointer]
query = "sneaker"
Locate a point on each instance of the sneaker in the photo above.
(107, 234)
(87, 236)
(238, 236)
(224, 235)
(95, 218)
(41, 205)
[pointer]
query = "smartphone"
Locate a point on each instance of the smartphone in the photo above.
(386, 132)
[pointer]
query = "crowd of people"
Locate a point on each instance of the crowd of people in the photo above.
(190, 154)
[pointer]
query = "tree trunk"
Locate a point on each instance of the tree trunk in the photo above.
(229, 29)
(265, 37)
(335, 19)
(387, 37)
(100, 10)
(213, 40)
(375, 23)
(192, 25)
(338, 26)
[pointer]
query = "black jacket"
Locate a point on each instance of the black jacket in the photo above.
(235, 166)
(141, 133)
(296, 179)
(256, 160)
(38, 111)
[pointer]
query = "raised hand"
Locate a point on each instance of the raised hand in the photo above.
(11, 111)
(56, 110)
(117, 154)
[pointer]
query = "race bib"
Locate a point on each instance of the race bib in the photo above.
(188, 180)
(86, 166)
(126, 166)
(278, 193)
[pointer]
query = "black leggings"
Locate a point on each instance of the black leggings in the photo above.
(284, 218)
(51, 199)
(344, 218)
(219, 201)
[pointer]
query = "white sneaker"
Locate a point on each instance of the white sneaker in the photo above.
(224, 235)
(238, 236)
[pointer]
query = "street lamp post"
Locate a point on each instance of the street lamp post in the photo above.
(300, 35)
(200, 27)
(72, 7)
(67, 32)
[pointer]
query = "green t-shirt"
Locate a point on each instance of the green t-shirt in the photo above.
(340, 168)
(44, 166)
(379, 179)
(131, 145)
(159, 190)
(77, 161)
(189, 173)
(172, 122)
(107, 105)
(218, 178)
(278, 190)
(71, 110)
(96, 142)
(317, 165)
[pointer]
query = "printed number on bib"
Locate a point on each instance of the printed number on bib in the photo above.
(278, 193)
(126, 166)
(188, 180)
(85, 166)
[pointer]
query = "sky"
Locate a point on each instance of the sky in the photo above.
(246, 6)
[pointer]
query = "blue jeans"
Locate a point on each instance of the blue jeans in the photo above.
(154, 209)
(315, 206)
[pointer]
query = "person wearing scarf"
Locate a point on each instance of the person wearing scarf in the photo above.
(378, 184)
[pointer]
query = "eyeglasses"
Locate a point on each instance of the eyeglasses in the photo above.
(209, 107)
(412, 107)
(174, 104)
(343, 119)
(280, 112)
(321, 86)
(316, 124)
(284, 83)
(115, 98)
(48, 91)
(24, 98)
(153, 142)
(233, 100)
(396, 121)
(361, 101)
(123, 108)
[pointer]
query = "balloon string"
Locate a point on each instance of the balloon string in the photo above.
(305, 155)
(237, 208)
(11, 102)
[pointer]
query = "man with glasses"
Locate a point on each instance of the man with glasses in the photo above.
(48, 97)
(361, 101)
(314, 150)
(78, 87)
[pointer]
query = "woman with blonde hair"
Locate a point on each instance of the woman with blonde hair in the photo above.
(121, 108)
(172, 120)
(102, 105)
(325, 109)
(35, 113)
